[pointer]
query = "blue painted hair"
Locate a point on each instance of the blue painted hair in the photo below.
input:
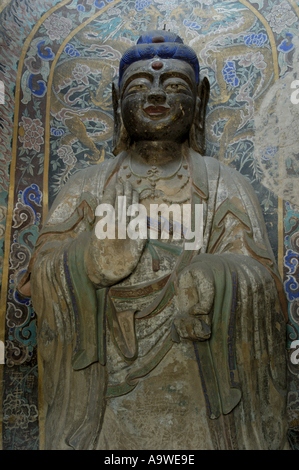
(170, 46)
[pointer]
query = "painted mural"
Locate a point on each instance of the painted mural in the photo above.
(57, 61)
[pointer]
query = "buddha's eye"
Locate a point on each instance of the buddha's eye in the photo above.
(137, 88)
(176, 88)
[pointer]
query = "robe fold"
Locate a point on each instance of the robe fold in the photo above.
(93, 369)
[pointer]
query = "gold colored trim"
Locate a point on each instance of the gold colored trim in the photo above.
(10, 206)
(276, 76)
(295, 6)
(280, 237)
(5, 3)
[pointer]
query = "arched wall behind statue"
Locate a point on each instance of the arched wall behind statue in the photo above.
(57, 61)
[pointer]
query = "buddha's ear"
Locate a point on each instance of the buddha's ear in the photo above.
(197, 138)
(121, 138)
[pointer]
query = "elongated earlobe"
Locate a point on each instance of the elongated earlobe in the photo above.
(121, 138)
(197, 138)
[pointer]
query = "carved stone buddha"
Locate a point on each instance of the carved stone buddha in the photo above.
(147, 345)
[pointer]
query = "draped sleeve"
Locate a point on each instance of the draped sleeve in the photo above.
(244, 362)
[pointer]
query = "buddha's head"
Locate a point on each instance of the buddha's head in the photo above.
(159, 95)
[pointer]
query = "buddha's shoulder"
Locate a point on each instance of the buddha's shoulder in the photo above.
(87, 184)
(229, 180)
(93, 171)
(214, 167)
(222, 170)
(86, 178)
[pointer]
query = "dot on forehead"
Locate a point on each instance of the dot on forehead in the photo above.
(157, 65)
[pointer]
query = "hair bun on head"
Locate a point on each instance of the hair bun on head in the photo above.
(162, 44)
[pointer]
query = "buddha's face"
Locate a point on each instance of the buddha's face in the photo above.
(158, 100)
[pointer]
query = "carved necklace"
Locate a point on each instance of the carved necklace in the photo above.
(154, 175)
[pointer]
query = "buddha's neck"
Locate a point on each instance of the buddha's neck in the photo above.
(156, 152)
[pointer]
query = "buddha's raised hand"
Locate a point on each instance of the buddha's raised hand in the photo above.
(111, 259)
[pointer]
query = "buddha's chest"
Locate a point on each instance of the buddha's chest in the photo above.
(158, 185)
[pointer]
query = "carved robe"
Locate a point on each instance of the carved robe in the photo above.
(116, 375)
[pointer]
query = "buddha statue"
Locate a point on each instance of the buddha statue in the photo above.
(146, 344)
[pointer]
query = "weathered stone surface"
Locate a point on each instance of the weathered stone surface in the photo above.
(145, 344)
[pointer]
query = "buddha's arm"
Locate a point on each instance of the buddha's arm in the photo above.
(69, 270)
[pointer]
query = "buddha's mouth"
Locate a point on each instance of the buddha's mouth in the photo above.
(156, 111)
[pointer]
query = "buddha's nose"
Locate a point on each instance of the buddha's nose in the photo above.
(156, 95)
